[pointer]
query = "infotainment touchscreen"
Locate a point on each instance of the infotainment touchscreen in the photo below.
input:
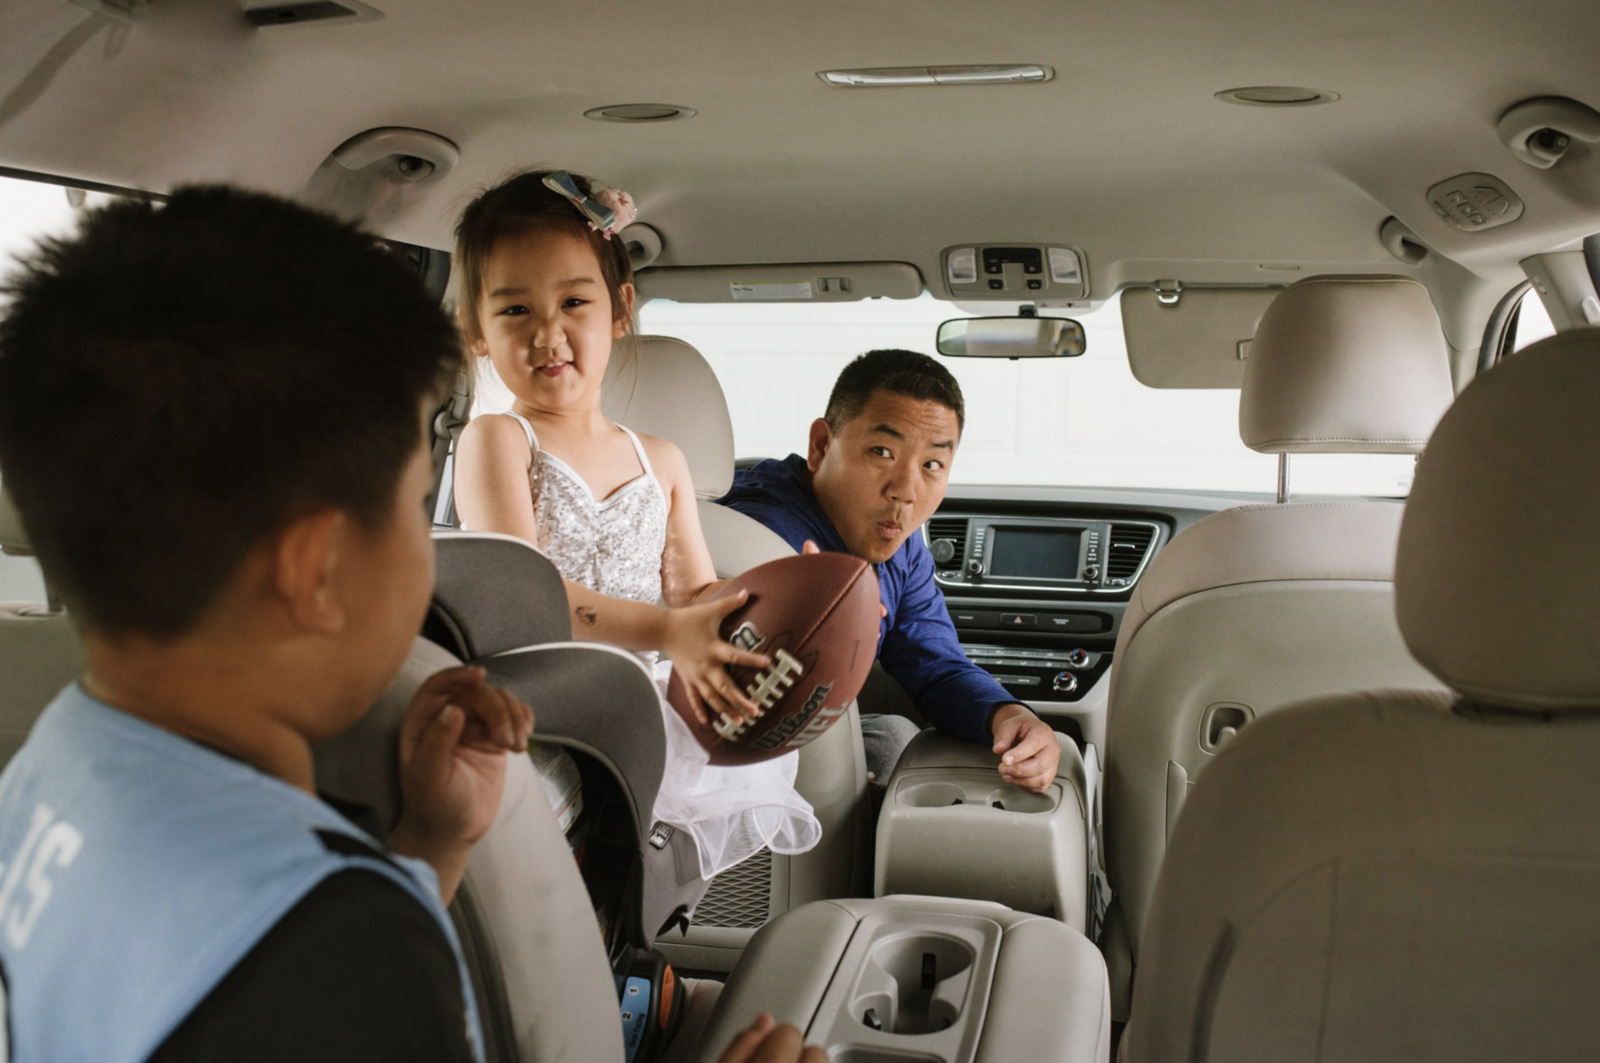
(1034, 553)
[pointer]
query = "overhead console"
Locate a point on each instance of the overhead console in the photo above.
(1037, 272)
(810, 282)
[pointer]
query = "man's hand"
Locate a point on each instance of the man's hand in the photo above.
(452, 767)
(1029, 751)
(692, 638)
(767, 1042)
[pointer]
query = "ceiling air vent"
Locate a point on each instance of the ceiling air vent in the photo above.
(953, 530)
(300, 14)
(1130, 544)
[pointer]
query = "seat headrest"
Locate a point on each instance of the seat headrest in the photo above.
(1346, 365)
(670, 391)
(13, 537)
(1497, 574)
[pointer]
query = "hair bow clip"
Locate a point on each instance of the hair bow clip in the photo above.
(602, 219)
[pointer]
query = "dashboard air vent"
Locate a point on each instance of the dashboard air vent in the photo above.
(954, 529)
(1129, 544)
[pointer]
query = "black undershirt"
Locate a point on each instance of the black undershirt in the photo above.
(358, 970)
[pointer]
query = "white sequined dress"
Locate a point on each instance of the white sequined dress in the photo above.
(614, 546)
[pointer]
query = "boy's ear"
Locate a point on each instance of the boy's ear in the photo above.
(817, 444)
(305, 562)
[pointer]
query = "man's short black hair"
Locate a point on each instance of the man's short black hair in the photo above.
(916, 376)
(177, 382)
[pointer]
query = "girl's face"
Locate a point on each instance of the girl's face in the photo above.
(545, 321)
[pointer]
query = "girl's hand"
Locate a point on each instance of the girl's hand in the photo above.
(452, 767)
(700, 655)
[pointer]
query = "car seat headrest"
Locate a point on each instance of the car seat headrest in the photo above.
(494, 593)
(13, 536)
(670, 391)
(1345, 365)
(1497, 576)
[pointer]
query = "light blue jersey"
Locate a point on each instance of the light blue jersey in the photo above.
(138, 868)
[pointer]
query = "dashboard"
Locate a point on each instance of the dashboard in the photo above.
(1037, 581)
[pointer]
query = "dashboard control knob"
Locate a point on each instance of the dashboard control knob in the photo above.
(944, 550)
(1078, 658)
(1064, 683)
(974, 567)
(1091, 573)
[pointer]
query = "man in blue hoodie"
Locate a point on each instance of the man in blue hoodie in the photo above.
(876, 466)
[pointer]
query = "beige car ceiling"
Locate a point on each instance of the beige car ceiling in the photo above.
(1126, 154)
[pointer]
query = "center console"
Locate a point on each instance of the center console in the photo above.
(921, 980)
(951, 826)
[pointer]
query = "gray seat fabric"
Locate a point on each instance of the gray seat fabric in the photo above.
(526, 918)
(1261, 606)
(523, 914)
(39, 649)
(669, 390)
(1407, 874)
(497, 602)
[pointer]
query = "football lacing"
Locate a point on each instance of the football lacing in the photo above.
(766, 687)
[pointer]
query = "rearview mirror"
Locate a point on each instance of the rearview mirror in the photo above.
(1011, 337)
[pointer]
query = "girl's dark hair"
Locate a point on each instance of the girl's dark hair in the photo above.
(520, 205)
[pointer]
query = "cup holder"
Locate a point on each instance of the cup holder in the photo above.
(914, 984)
(934, 795)
(1016, 799)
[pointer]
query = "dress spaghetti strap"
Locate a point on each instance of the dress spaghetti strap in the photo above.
(644, 460)
(533, 440)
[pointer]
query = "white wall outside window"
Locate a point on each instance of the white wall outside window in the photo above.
(1072, 421)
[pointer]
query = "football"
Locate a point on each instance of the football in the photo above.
(816, 616)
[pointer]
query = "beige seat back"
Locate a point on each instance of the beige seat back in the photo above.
(1412, 875)
(670, 391)
(39, 649)
(1260, 606)
(523, 914)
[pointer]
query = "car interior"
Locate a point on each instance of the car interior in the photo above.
(1308, 604)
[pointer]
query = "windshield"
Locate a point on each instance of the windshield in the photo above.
(1082, 421)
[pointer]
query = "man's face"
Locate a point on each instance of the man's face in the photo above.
(883, 472)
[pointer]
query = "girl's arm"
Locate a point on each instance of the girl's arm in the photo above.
(687, 572)
(493, 460)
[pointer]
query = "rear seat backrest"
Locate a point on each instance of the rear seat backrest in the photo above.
(1394, 874)
(670, 391)
(1260, 606)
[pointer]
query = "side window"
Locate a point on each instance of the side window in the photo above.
(30, 210)
(1532, 323)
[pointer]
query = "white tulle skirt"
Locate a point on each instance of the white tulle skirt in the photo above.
(731, 812)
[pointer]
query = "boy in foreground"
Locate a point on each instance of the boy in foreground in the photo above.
(213, 421)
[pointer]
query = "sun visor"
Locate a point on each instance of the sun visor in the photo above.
(815, 282)
(1191, 337)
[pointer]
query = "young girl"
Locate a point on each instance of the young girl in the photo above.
(545, 292)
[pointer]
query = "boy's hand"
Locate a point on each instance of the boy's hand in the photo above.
(700, 655)
(767, 1042)
(452, 767)
(1028, 748)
